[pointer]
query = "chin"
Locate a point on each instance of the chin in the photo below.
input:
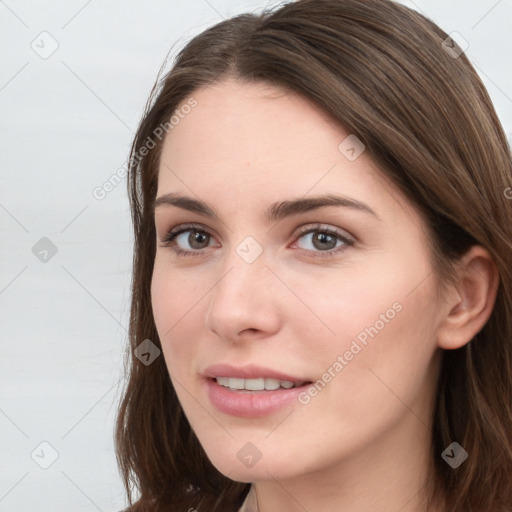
(248, 464)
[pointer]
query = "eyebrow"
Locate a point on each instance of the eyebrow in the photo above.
(275, 212)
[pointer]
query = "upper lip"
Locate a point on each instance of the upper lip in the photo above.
(248, 372)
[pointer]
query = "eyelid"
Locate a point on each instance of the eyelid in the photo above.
(180, 228)
(312, 227)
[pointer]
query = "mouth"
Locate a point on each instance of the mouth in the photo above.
(251, 391)
(257, 384)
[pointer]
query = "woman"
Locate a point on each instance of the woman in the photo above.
(322, 290)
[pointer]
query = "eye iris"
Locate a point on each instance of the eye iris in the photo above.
(322, 238)
(197, 237)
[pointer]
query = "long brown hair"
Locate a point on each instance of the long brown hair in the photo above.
(391, 77)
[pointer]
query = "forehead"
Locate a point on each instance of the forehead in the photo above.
(253, 143)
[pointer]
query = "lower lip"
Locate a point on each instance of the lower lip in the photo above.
(251, 404)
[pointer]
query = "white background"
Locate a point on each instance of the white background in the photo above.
(66, 125)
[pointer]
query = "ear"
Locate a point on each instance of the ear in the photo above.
(470, 302)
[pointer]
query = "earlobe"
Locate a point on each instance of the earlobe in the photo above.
(470, 302)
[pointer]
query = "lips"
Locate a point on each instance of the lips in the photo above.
(251, 391)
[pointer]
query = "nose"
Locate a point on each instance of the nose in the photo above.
(245, 301)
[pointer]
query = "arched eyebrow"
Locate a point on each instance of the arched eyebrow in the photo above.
(275, 212)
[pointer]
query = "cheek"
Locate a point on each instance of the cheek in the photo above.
(380, 335)
(355, 305)
(167, 300)
(163, 300)
(172, 294)
(386, 341)
(176, 304)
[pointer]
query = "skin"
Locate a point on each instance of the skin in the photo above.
(363, 442)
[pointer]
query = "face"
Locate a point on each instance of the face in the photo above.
(292, 263)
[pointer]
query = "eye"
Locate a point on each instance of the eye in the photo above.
(192, 235)
(324, 241)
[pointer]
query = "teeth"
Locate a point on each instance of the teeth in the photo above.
(223, 381)
(236, 383)
(274, 383)
(254, 384)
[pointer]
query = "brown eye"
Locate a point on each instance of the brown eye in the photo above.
(324, 241)
(197, 238)
(321, 241)
(187, 240)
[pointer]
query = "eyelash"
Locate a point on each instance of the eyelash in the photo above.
(169, 240)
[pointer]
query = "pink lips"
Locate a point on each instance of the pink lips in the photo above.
(250, 404)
